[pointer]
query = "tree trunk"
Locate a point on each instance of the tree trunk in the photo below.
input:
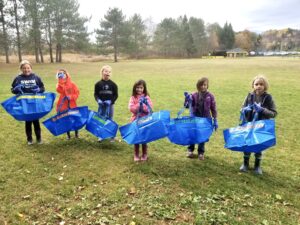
(17, 29)
(50, 39)
(41, 54)
(5, 42)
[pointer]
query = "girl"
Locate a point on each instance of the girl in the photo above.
(258, 101)
(28, 82)
(137, 107)
(66, 88)
(203, 105)
(106, 94)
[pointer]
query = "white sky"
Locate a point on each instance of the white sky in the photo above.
(254, 15)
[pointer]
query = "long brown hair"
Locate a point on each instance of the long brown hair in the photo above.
(140, 83)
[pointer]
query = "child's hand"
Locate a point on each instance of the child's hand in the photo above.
(258, 108)
(248, 108)
(141, 100)
(215, 124)
(35, 89)
(99, 101)
(107, 102)
(18, 88)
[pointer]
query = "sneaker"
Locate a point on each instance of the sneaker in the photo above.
(100, 139)
(39, 142)
(30, 143)
(190, 154)
(201, 157)
(136, 159)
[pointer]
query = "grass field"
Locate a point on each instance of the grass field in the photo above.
(82, 181)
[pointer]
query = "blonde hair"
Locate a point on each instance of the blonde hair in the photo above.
(106, 67)
(24, 62)
(263, 79)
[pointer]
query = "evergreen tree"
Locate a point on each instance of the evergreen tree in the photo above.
(112, 30)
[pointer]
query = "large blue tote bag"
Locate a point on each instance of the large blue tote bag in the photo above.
(254, 136)
(101, 126)
(29, 107)
(147, 128)
(187, 130)
(68, 120)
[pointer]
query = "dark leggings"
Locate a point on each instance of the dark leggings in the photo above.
(37, 129)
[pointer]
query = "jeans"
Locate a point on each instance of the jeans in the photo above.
(201, 148)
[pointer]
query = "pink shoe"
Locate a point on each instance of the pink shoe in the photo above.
(145, 153)
(136, 158)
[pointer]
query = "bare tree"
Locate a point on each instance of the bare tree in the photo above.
(4, 35)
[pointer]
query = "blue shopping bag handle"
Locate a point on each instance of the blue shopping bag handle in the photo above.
(107, 111)
(181, 111)
(62, 102)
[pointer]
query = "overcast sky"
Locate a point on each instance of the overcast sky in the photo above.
(254, 15)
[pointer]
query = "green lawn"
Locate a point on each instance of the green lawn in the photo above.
(86, 182)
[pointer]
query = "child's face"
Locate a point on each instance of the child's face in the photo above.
(258, 87)
(203, 87)
(106, 74)
(139, 89)
(26, 69)
(62, 77)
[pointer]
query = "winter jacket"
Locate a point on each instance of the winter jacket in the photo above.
(267, 103)
(29, 82)
(106, 90)
(134, 106)
(208, 108)
(68, 89)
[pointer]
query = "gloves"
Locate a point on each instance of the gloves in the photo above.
(141, 100)
(99, 101)
(248, 108)
(215, 124)
(258, 108)
(107, 102)
(35, 89)
(187, 100)
(18, 88)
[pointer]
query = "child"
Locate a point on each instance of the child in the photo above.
(203, 105)
(66, 88)
(28, 82)
(261, 102)
(136, 105)
(106, 93)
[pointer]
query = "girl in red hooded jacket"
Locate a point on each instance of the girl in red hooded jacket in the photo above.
(66, 88)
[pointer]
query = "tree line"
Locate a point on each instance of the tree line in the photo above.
(42, 27)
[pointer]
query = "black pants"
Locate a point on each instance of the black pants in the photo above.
(37, 129)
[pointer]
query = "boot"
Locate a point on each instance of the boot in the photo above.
(136, 157)
(245, 165)
(257, 168)
(145, 151)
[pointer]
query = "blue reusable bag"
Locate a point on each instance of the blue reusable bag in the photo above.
(147, 128)
(68, 120)
(254, 136)
(187, 130)
(101, 127)
(29, 107)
